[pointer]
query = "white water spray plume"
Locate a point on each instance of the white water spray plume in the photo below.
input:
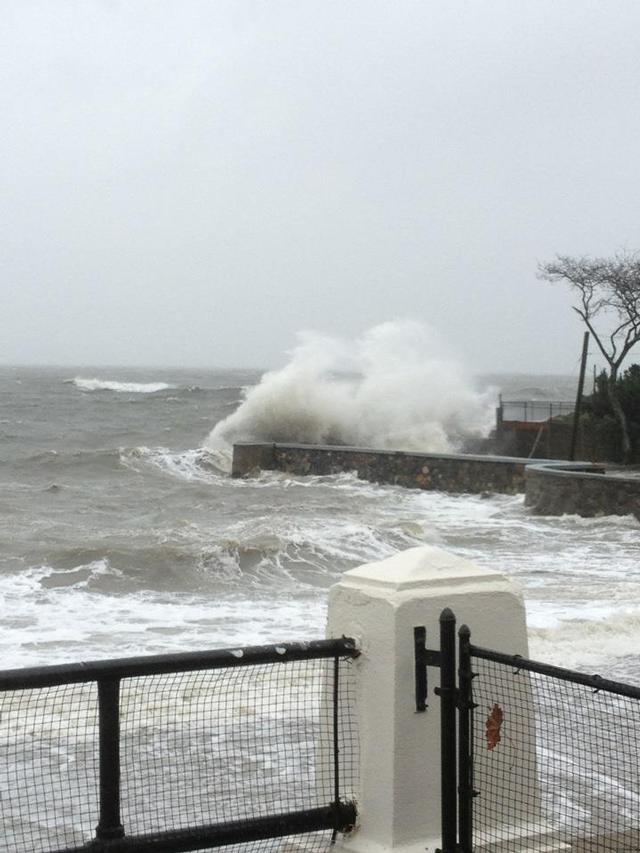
(390, 388)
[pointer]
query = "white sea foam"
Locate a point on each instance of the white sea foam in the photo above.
(98, 625)
(589, 639)
(400, 392)
(120, 387)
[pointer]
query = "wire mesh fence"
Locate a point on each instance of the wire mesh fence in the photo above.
(553, 756)
(210, 747)
(48, 767)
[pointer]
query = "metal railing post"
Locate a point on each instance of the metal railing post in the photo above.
(465, 742)
(420, 666)
(336, 732)
(448, 751)
(109, 825)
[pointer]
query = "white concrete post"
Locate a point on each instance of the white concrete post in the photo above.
(379, 604)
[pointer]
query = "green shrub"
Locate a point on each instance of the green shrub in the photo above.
(600, 430)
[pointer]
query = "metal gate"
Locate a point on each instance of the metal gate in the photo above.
(531, 752)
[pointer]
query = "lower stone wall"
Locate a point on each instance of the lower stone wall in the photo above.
(551, 488)
(440, 472)
(556, 489)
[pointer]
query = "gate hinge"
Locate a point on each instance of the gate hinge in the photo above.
(447, 691)
(432, 657)
(424, 657)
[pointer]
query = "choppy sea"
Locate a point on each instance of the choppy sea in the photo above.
(121, 531)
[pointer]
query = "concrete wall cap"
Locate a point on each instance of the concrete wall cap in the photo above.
(422, 566)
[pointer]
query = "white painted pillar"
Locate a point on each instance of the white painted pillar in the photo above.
(379, 604)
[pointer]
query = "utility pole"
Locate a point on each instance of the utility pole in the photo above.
(576, 413)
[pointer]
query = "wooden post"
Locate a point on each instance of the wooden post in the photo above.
(576, 413)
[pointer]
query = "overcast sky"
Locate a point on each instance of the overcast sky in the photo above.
(190, 183)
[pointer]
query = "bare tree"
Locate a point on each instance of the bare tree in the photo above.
(608, 291)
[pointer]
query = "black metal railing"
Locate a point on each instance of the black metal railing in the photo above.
(536, 411)
(543, 752)
(179, 752)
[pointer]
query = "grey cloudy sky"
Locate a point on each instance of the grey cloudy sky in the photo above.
(193, 182)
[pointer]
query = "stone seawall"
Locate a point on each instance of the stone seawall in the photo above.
(556, 489)
(440, 472)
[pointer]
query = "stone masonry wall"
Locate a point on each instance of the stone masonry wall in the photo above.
(558, 489)
(441, 472)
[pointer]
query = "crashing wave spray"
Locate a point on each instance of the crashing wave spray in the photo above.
(390, 388)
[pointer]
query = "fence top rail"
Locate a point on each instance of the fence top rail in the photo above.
(596, 682)
(546, 403)
(115, 669)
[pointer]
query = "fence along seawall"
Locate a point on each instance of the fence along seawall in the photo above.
(551, 487)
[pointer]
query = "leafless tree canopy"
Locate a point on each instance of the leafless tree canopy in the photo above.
(607, 288)
(608, 291)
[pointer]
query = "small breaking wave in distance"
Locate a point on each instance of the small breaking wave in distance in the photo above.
(119, 387)
(390, 388)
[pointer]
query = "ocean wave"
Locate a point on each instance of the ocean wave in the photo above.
(188, 465)
(78, 576)
(289, 556)
(120, 387)
(61, 461)
(198, 465)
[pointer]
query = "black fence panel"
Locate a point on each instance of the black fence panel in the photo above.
(557, 749)
(546, 756)
(182, 752)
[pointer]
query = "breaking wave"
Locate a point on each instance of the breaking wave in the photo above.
(390, 388)
(190, 465)
(121, 387)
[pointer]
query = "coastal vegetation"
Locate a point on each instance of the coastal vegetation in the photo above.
(608, 303)
(602, 437)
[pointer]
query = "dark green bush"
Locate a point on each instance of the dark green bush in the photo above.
(601, 435)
